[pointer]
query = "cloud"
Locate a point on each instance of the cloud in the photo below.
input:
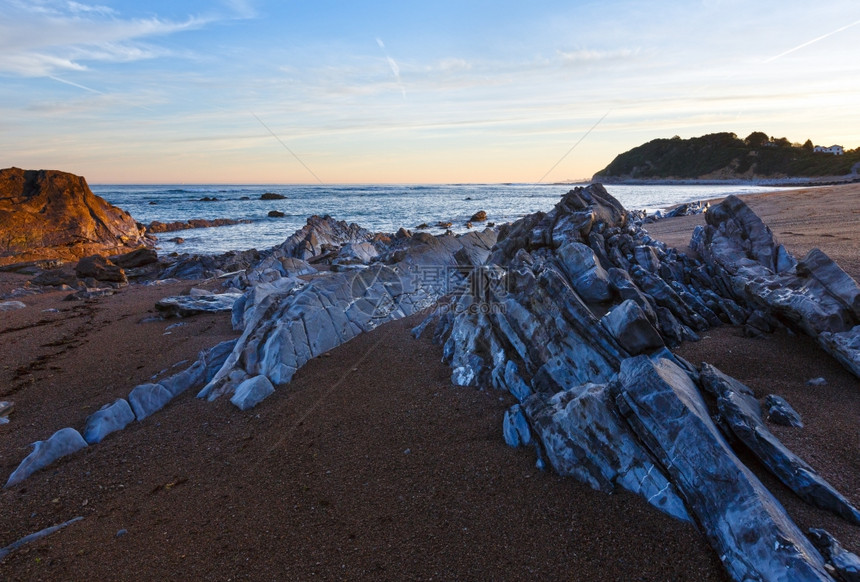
(591, 55)
(77, 7)
(392, 64)
(42, 38)
(241, 8)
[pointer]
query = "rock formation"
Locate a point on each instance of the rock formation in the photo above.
(51, 214)
(813, 296)
(572, 313)
(156, 227)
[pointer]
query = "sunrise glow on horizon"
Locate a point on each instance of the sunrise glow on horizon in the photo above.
(241, 91)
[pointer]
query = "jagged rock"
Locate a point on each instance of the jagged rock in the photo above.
(845, 563)
(319, 233)
(244, 306)
(11, 305)
(51, 214)
(289, 327)
(135, 259)
(631, 329)
(63, 442)
(845, 347)
(837, 282)
(159, 227)
(188, 305)
(64, 275)
(88, 293)
(647, 258)
(742, 413)
(109, 418)
(582, 436)
(100, 269)
(515, 427)
(251, 392)
(146, 399)
(198, 374)
(780, 412)
(814, 295)
(206, 266)
(356, 253)
(754, 537)
(583, 270)
(272, 268)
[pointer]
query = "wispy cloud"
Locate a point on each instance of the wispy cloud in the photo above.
(241, 8)
(592, 55)
(392, 64)
(42, 38)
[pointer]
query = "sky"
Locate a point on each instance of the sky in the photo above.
(251, 91)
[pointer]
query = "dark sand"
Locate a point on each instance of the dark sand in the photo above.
(369, 465)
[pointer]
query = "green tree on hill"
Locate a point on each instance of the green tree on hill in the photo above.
(756, 139)
(723, 155)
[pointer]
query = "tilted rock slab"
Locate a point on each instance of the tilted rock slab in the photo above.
(287, 321)
(754, 537)
(63, 442)
(109, 418)
(813, 295)
(583, 436)
(527, 327)
(742, 412)
(188, 305)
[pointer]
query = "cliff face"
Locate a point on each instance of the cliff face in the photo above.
(52, 214)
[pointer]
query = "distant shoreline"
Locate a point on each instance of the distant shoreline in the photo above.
(799, 182)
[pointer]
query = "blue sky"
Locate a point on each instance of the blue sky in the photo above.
(240, 91)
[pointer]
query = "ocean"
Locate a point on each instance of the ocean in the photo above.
(379, 208)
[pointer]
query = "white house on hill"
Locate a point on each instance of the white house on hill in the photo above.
(836, 150)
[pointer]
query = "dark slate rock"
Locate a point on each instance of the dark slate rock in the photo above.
(755, 538)
(837, 282)
(135, 259)
(146, 399)
(814, 296)
(583, 270)
(201, 371)
(100, 269)
(63, 442)
(515, 427)
(251, 392)
(188, 305)
(64, 275)
(742, 412)
(583, 437)
(845, 563)
(780, 412)
(845, 347)
(629, 326)
(109, 418)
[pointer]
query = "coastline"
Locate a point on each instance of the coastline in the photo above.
(322, 468)
(800, 182)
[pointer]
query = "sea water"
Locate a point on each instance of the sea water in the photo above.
(378, 208)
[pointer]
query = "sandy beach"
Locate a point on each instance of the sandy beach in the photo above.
(370, 464)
